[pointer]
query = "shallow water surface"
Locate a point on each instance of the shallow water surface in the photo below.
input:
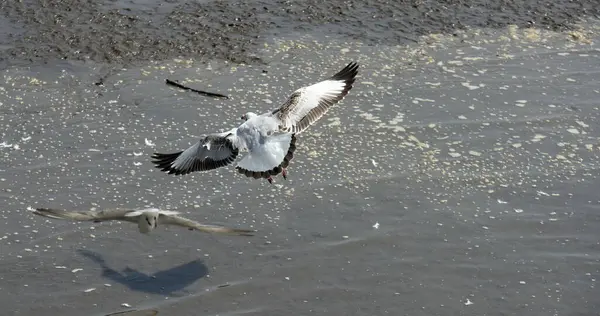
(457, 178)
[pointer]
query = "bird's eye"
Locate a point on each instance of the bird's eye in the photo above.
(244, 117)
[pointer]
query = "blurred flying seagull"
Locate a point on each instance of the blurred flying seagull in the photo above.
(147, 219)
(268, 138)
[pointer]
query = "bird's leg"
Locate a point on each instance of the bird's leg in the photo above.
(284, 173)
(270, 179)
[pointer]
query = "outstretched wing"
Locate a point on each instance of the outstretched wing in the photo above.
(308, 104)
(211, 152)
(190, 224)
(96, 216)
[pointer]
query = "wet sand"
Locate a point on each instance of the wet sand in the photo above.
(457, 178)
(134, 31)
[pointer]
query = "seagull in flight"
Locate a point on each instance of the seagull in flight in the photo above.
(269, 139)
(147, 219)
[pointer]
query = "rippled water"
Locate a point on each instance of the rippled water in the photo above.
(459, 177)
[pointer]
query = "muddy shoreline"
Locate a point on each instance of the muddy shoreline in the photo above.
(130, 32)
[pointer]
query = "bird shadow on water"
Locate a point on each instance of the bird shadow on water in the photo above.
(171, 282)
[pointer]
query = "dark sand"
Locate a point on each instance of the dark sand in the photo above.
(459, 177)
(134, 31)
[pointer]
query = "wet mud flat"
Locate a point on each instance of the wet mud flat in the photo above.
(131, 31)
(458, 177)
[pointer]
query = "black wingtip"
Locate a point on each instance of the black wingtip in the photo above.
(164, 163)
(348, 74)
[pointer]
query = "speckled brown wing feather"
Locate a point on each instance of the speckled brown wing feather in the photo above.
(307, 105)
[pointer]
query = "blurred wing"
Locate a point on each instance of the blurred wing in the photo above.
(190, 224)
(165, 213)
(308, 104)
(96, 216)
(211, 152)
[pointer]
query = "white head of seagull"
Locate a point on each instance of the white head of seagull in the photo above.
(148, 218)
(269, 138)
(248, 115)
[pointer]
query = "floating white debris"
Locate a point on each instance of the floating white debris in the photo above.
(107, 285)
(137, 154)
(469, 86)
(542, 193)
(418, 142)
(125, 305)
(538, 137)
(502, 202)
(148, 143)
(423, 100)
(25, 138)
(454, 154)
(93, 149)
(287, 278)
(60, 267)
(335, 121)
(376, 225)
(76, 270)
(518, 210)
(462, 117)
(468, 302)
(582, 124)
(345, 237)
(474, 153)
(90, 290)
(517, 145)
(520, 103)
(573, 131)
(137, 163)
(522, 282)
(5, 145)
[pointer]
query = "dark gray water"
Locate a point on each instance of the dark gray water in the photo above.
(459, 177)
